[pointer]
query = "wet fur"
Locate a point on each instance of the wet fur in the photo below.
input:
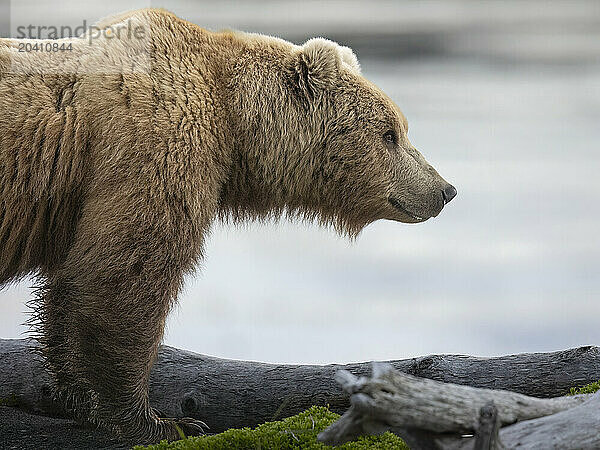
(109, 184)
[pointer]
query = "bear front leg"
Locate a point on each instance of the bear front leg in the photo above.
(110, 300)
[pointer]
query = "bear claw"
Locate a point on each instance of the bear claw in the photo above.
(188, 426)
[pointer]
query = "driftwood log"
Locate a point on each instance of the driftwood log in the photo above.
(227, 393)
(433, 415)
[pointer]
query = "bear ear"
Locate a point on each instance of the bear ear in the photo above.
(350, 59)
(318, 62)
(316, 66)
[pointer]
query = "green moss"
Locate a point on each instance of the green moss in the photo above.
(297, 432)
(588, 389)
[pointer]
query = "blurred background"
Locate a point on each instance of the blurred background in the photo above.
(503, 98)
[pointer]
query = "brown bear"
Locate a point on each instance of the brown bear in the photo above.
(110, 180)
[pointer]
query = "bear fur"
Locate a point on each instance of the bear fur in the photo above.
(110, 181)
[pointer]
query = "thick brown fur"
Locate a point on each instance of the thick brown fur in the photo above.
(109, 183)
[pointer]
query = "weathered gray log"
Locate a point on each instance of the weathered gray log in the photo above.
(577, 429)
(22, 431)
(227, 393)
(421, 410)
(486, 436)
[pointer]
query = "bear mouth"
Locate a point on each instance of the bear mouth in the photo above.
(396, 204)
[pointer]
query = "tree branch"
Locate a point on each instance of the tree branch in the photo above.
(422, 410)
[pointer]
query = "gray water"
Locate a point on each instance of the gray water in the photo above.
(503, 98)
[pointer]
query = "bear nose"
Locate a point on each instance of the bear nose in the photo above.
(449, 193)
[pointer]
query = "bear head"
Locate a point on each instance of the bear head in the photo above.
(316, 139)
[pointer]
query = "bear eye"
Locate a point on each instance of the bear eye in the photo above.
(390, 138)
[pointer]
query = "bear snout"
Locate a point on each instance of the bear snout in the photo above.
(448, 193)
